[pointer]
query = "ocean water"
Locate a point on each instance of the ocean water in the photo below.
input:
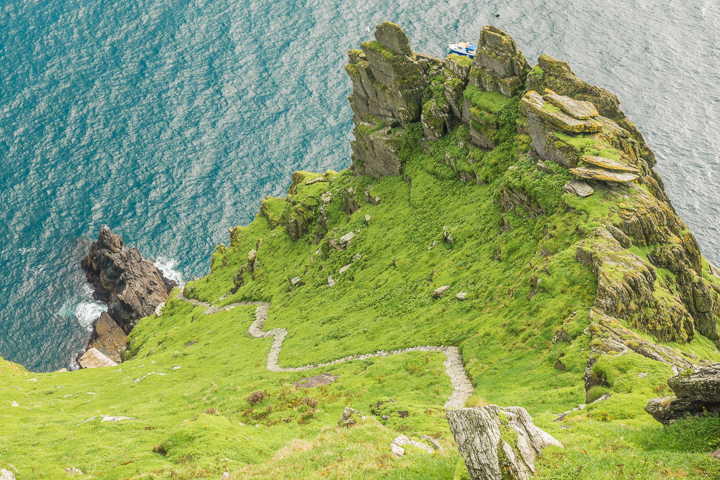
(170, 121)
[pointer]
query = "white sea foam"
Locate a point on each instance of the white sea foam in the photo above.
(167, 265)
(87, 290)
(88, 312)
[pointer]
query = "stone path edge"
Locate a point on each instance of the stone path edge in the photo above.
(462, 388)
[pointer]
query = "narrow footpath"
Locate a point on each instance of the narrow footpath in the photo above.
(462, 388)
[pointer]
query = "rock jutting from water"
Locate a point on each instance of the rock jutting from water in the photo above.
(132, 287)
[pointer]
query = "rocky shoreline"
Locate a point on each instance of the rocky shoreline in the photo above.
(131, 287)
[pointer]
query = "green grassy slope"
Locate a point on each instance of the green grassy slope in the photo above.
(196, 421)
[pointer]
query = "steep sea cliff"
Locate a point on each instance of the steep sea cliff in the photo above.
(174, 120)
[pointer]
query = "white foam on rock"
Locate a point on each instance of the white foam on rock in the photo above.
(88, 312)
(167, 266)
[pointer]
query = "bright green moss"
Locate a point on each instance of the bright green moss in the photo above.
(492, 102)
(379, 48)
(460, 59)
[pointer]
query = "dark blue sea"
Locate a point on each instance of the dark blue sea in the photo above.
(169, 121)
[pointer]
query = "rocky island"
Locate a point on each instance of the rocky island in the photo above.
(498, 287)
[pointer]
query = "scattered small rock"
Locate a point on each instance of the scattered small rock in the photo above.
(297, 282)
(15, 404)
(543, 167)
(715, 454)
(385, 417)
(93, 358)
(107, 418)
(397, 450)
(579, 188)
(559, 365)
(331, 282)
(314, 180)
(642, 375)
(461, 296)
(6, 475)
(357, 257)
(316, 381)
(225, 475)
(432, 441)
(403, 440)
(367, 219)
(440, 291)
(138, 380)
(345, 239)
(346, 418)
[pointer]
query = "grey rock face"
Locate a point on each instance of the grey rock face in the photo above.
(705, 383)
(388, 84)
(498, 64)
(481, 433)
(696, 393)
(392, 36)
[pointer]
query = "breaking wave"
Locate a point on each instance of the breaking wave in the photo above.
(167, 267)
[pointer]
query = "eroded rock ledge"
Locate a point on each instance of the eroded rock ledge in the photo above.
(697, 393)
(131, 286)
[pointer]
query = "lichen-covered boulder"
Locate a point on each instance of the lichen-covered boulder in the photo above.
(498, 65)
(498, 443)
(697, 392)
(603, 175)
(559, 77)
(608, 336)
(703, 383)
(533, 102)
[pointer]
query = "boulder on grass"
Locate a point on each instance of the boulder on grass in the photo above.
(498, 443)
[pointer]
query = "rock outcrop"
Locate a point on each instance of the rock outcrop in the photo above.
(697, 393)
(95, 359)
(498, 443)
(131, 287)
(108, 338)
(391, 84)
(498, 65)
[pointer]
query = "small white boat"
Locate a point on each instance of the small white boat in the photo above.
(464, 48)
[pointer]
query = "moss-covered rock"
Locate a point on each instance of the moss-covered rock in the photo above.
(498, 65)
